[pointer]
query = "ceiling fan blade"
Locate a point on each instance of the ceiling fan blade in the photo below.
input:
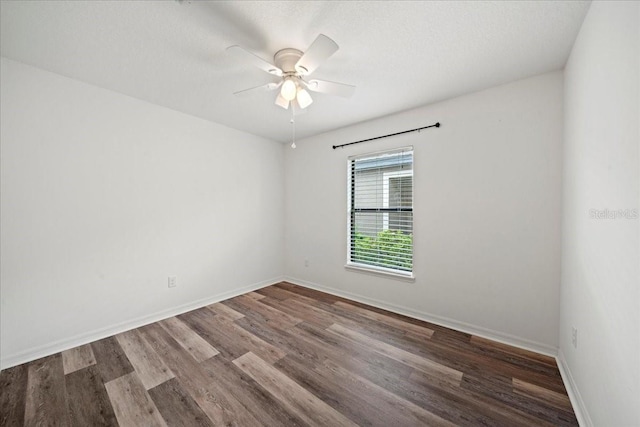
(321, 49)
(250, 58)
(331, 88)
(262, 88)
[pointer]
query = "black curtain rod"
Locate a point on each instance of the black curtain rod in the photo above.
(437, 125)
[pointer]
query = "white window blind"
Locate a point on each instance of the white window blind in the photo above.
(380, 213)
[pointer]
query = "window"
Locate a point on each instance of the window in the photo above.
(380, 204)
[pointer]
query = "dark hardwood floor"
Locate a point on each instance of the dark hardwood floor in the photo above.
(287, 355)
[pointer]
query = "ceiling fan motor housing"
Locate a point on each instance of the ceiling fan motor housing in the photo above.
(286, 60)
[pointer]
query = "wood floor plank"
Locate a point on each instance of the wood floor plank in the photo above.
(363, 360)
(87, 399)
(394, 379)
(287, 293)
(541, 370)
(287, 341)
(476, 361)
(131, 402)
(268, 312)
(254, 296)
(197, 346)
(509, 349)
(255, 344)
(259, 402)
(554, 398)
(387, 400)
(111, 361)
(177, 407)
(455, 351)
(223, 408)
(400, 317)
(273, 292)
(334, 393)
(185, 368)
(467, 408)
(501, 390)
(46, 393)
(362, 401)
(315, 345)
(400, 355)
(395, 329)
(202, 384)
(399, 384)
(334, 313)
(230, 339)
(201, 321)
(297, 310)
(418, 331)
(146, 362)
(13, 393)
(276, 318)
(309, 293)
(300, 401)
(77, 358)
(225, 312)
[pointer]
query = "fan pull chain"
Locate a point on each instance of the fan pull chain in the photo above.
(293, 130)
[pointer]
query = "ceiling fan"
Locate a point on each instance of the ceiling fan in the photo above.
(294, 67)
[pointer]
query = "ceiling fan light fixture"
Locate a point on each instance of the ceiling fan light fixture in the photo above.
(281, 102)
(303, 98)
(289, 89)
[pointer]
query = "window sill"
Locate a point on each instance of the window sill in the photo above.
(407, 277)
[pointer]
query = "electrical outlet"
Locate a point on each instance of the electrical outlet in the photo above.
(306, 262)
(173, 281)
(574, 337)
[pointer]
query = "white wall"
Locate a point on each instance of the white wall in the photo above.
(600, 270)
(487, 212)
(104, 196)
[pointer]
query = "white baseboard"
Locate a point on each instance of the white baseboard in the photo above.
(90, 336)
(579, 408)
(435, 319)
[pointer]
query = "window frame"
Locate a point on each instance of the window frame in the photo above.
(351, 194)
(386, 176)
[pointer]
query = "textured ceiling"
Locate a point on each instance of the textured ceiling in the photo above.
(400, 55)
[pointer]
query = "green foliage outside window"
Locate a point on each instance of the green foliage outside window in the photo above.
(390, 248)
